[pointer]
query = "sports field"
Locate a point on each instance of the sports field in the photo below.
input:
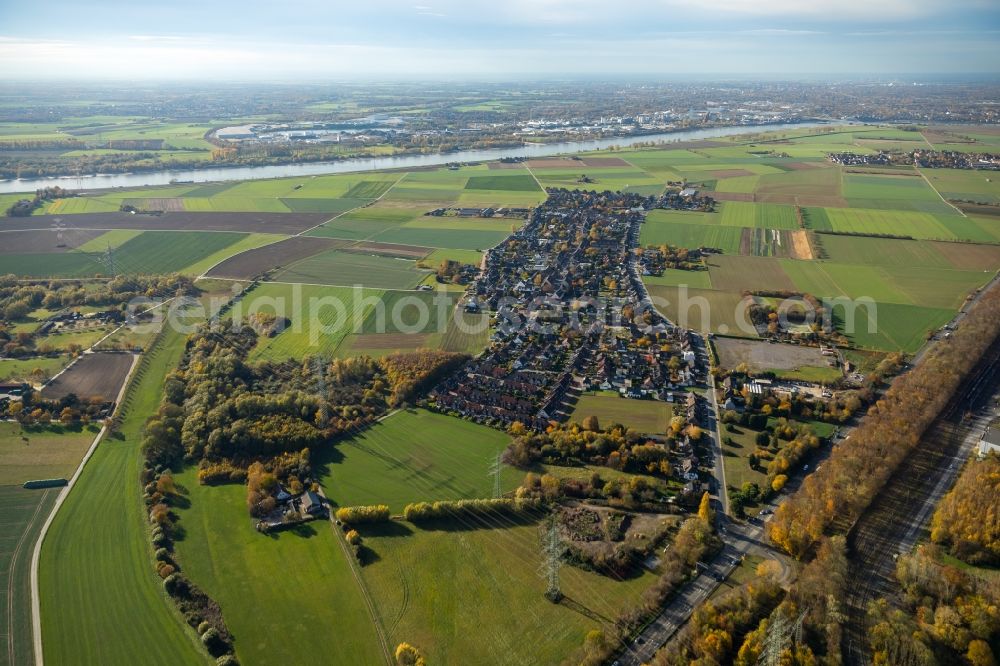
(413, 456)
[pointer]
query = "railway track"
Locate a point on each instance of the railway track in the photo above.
(902, 510)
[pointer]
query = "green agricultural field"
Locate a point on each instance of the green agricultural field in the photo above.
(892, 283)
(677, 234)
(897, 327)
(409, 313)
(765, 216)
(295, 574)
(821, 182)
(53, 264)
(886, 252)
(450, 591)
(96, 573)
(467, 333)
(170, 251)
(434, 259)
(415, 455)
(368, 189)
(705, 310)
(601, 178)
(909, 187)
(113, 239)
(965, 185)
(737, 273)
(649, 416)
(76, 205)
(337, 267)
(319, 317)
(742, 184)
(517, 183)
(22, 514)
(38, 452)
(84, 338)
(469, 239)
(892, 222)
(331, 206)
(235, 204)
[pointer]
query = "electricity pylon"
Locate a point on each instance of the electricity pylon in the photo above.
(552, 551)
(495, 473)
(780, 633)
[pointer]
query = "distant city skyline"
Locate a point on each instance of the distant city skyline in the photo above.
(471, 39)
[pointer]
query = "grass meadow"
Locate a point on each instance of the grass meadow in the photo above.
(104, 603)
(648, 416)
(416, 455)
(299, 579)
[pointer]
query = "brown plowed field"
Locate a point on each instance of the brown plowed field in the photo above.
(604, 162)
(252, 263)
(99, 374)
(48, 240)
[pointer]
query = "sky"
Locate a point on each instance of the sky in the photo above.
(313, 40)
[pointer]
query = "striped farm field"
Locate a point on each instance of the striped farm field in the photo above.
(337, 267)
(890, 222)
(96, 571)
(726, 239)
(318, 317)
(768, 216)
(171, 251)
(909, 187)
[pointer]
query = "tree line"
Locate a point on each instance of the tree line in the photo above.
(859, 467)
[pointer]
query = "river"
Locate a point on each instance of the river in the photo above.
(360, 164)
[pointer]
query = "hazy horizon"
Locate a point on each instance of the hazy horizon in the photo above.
(447, 39)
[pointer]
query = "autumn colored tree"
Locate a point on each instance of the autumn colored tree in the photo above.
(966, 519)
(705, 508)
